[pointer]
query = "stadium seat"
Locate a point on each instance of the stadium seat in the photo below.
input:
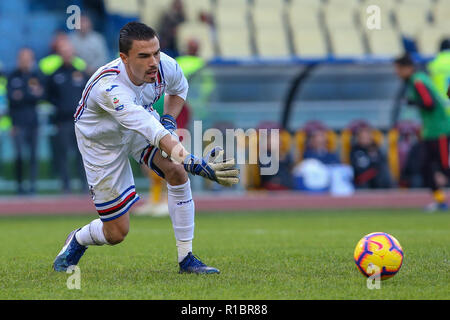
(441, 12)
(274, 4)
(309, 43)
(232, 13)
(194, 8)
(346, 42)
(272, 42)
(270, 29)
(265, 15)
(429, 39)
(234, 42)
(124, 8)
(200, 32)
(303, 17)
(411, 18)
(384, 42)
(343, 3)
(386, 12)
(339, 16)
(424, 4)
(152, 12)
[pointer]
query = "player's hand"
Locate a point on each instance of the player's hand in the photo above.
(223, 172)
(169, 122)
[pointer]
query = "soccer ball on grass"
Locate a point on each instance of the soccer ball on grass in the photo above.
(380, 253)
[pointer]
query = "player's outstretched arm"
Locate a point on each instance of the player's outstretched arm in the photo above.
(223, 172)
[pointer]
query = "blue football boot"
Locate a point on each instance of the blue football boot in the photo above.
(192, 264)
(70, 254)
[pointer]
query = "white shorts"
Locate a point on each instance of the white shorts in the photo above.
(109, 174)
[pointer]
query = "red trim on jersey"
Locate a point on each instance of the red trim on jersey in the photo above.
(443, 150)
(88, 89)
(424, 94)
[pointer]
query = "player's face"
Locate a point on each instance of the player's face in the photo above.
(404, 72)
(142, 61)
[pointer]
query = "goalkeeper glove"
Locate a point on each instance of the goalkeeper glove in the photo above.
(224, 173)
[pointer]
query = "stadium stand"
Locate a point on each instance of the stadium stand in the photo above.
(385, 42)
(195, 8)
(152, 11)
(125, 8)
(199, 31)
(231, 20)
(270, 29)
(411, 17)
(346, 42)
(441, 12)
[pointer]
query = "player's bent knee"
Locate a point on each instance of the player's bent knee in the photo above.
(115, 232)
(116, 236)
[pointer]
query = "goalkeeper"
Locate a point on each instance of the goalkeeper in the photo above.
(115, 119)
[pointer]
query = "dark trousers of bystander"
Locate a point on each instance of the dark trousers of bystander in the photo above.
(25, 137)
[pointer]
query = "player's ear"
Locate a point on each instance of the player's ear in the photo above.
(124, 57)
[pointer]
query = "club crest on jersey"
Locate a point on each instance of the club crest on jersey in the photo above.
(112, 87)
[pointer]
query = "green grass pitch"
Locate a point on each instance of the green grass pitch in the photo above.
(264, 255)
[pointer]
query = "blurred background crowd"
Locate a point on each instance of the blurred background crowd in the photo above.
(309, 68)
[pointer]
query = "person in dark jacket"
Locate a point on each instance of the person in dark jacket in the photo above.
(65, 87)
(368, 161)
(25, 88)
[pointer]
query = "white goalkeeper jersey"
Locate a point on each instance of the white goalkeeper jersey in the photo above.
(112, 107)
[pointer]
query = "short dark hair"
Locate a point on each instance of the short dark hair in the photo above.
(445, 45)
(404, 61)
(134, 31)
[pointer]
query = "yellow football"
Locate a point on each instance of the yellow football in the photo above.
(378, 253)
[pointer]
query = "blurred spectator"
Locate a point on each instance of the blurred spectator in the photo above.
(25, 88)
(168, 25)
(439, 68)
(282, 179)
(410, 154)
(65, 87)
(411, 173)
(89, 45)
(318, 148)
(368, 161)
(49, 64)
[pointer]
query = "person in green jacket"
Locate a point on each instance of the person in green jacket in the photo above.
(439, 69)
(421, 92)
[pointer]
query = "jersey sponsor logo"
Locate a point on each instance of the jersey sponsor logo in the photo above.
(115, 100)
(112, 87)
(118, 108)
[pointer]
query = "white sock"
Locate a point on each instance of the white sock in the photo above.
(182, 210)
(183, 247)
(92, 234)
